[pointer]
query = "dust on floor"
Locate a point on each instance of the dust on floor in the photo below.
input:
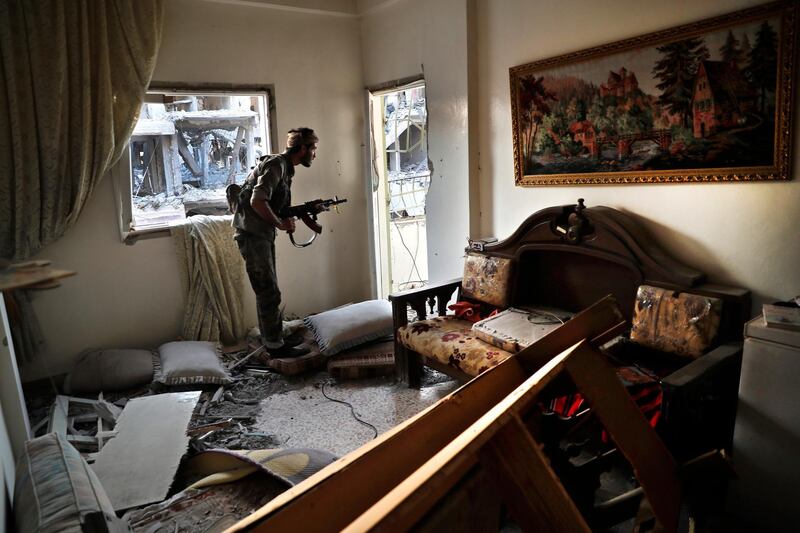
(275, 411)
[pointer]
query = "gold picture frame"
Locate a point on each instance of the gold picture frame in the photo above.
(694, 103)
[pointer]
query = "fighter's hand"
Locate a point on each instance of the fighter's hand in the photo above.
(318, 206)
(287, 225)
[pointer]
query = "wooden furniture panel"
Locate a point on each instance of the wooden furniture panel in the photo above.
(393, 483)
(568, 257)
(379, 466)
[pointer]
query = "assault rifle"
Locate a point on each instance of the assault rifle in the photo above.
(307, 212)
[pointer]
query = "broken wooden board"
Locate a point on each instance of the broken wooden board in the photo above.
(138, 465)
(501, 442)
(380, 465)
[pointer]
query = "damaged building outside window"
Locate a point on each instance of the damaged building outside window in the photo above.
(401, 178)
(186, 148)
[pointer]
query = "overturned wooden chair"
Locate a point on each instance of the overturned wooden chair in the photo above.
(426, 472)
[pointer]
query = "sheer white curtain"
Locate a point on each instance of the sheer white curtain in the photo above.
(73, 74)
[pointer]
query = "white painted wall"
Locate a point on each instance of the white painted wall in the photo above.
(403, 38)
(738, 233)
(130, 296)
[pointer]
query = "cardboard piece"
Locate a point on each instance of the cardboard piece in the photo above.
(138, 465)
(515, 329)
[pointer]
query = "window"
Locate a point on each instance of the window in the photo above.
(186, 147)
(399, 131)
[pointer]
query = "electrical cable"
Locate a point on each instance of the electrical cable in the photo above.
(543, 312)
(412, 255)
(403, 242)
(352, 410)
(394, 122)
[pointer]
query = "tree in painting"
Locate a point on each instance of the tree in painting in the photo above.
(533, 98)
(763, 69)
(676, 71)
(744, 54)
(731, 51)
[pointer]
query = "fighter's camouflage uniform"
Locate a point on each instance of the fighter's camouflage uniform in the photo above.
(256, 239)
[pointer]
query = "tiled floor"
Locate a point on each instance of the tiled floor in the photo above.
(304, 417)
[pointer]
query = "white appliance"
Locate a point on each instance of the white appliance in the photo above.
(766, 440)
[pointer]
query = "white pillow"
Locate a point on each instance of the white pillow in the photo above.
(345, 327)
(110, 370)
(190, 363)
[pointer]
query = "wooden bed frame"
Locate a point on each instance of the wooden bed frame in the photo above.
(570, 256)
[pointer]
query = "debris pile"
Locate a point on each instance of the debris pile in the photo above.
(142, 442)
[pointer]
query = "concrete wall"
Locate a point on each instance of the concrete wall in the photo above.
(739, 233)
(404, 38)
(130, 296)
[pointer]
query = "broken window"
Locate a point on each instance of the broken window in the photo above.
(400, 184)
(187, 147)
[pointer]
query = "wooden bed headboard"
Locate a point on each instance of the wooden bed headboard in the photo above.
(571, 256)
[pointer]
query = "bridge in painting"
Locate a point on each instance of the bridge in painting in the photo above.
(624, 143)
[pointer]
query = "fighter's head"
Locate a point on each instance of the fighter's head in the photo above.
(302, 143)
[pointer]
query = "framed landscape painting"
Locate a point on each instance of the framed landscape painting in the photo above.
(708, 101)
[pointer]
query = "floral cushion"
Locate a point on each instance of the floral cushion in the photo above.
(450, 340)
(683, 323)
(487, 279)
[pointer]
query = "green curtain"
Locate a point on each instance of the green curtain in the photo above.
(73, 74)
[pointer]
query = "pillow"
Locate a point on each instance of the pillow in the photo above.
(190, 363)
(451, 341)
(56, 490)
(684, 324)
(345, 327)
(291, 366)
(487, 279)
(369, 360)
(110, 370)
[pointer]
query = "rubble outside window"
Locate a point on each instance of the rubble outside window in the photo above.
(186, 148)
(408, 179)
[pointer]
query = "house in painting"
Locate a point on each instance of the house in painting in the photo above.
(583, 132)
(620, 84)
(722, 98)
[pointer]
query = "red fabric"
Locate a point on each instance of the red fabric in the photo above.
(648, 398)
(567, 406)
(648, 404)
(469, 311)
(577, 403)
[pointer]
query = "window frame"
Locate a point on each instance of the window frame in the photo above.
(122, 175)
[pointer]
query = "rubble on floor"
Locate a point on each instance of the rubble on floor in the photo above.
(210, 509)
(226, 417)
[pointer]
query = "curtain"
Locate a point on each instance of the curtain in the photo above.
(211, 275)
(73, 74)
